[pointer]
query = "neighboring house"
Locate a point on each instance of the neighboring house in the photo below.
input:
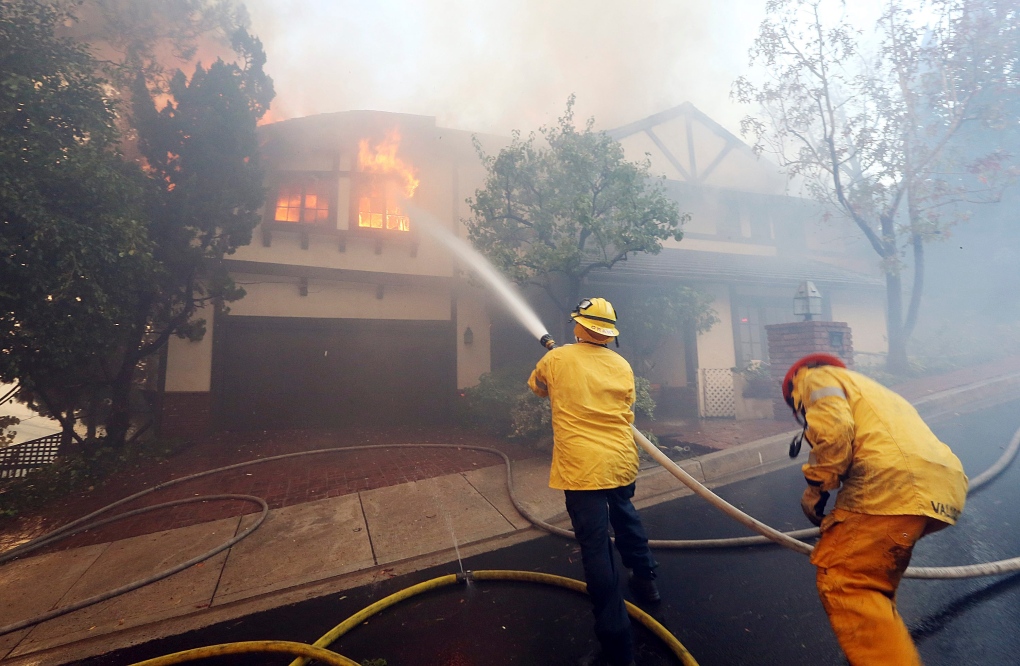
(354, 315)
(749, 245)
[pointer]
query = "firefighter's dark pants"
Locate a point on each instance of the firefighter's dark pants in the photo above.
(591, 513)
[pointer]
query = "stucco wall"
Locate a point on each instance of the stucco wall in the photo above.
(278, 296)
(189, 366)
(716, 348)
(473, 360)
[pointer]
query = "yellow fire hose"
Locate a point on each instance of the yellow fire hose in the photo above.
(319, 652)
(496, 574)
(250, 647)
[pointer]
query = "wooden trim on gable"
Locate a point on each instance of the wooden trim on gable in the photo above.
(691, 113)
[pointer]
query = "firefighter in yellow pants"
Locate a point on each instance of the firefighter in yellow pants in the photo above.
(897, 482)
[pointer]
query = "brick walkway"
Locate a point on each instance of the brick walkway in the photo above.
(280, 483)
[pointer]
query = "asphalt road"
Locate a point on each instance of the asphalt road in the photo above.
(729, 607)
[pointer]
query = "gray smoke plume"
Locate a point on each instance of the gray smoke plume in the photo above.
(494, 66)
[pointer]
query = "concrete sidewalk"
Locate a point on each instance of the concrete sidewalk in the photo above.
(329, 545)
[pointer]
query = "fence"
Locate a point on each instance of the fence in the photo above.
(19, 459)
(717, 393)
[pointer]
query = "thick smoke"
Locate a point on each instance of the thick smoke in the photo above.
(494, 66)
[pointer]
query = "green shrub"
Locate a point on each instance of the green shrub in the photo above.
(644, 405)
(530, 418)
(490, 404)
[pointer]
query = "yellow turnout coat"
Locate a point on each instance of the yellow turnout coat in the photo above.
(591, 390)
(873, 445)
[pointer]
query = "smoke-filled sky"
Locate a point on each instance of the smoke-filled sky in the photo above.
(493, 66)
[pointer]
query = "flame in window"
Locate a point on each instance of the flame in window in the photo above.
(378, 207)
(301, 202)
(383, 159)
(378, 203)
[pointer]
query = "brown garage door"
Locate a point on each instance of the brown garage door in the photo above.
(282, 372)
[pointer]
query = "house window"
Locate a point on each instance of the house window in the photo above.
(752, 316)
(379, 207)
(302, 203)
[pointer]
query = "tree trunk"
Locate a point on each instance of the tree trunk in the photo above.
(119, 420)
(896, 360)
(917, 289)
(66, 438)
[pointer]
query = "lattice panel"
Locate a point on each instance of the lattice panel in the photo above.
(18, 459)
(717, 392)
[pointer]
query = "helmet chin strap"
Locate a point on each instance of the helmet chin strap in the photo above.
(798, 439)
(598, 344)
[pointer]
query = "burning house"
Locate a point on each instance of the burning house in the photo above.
(354, 316)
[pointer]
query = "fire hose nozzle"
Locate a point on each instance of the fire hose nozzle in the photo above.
(547, 341)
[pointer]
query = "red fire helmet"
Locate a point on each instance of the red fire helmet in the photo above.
(809, 361)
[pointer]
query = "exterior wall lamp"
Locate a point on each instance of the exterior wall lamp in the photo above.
(807, 302)
(469, 336)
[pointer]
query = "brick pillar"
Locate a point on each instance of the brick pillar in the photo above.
(790, 342)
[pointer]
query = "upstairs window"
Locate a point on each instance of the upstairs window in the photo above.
(304, 202)
(378, 205)
(384, 181)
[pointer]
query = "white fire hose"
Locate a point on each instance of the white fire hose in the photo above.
(967, 571)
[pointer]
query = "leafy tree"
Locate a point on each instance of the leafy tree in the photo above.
(662, 312)
(552, 212)
(73, 247)
(196, 138)
(202, 155)
(880, 135)
(110, 260)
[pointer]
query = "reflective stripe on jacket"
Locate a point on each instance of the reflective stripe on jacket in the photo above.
(591, 390)
(873, 445)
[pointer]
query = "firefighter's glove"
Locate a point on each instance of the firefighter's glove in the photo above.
(813, 504)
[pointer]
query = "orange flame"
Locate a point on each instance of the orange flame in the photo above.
(383, 159)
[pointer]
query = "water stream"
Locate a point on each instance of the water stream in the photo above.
(499, 284)
(453, 535)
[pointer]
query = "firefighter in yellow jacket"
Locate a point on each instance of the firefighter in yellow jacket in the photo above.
(897, 482)
(595, 462)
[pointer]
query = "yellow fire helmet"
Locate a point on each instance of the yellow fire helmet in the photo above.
(597, 315)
